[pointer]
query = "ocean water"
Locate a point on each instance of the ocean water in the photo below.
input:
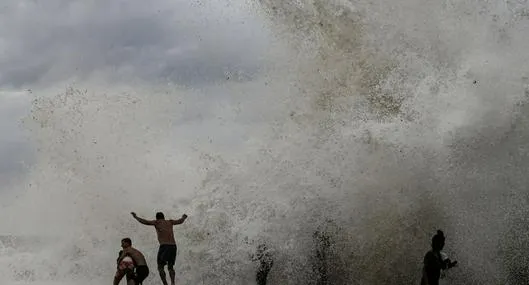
(370, 125)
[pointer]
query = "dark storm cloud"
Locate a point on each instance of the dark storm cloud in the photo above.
(186, 42)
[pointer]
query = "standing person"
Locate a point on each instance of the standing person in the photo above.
(266, 261)
(137, 264)
(167, 249)
(434, 261)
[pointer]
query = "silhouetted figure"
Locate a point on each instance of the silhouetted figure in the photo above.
(323, 244)
(167, 249)
(434, 261)
(266, 261)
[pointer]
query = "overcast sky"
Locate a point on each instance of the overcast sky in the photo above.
(193, 43)
(187, 42)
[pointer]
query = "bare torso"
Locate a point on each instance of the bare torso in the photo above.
(136, 255)
(164, 230)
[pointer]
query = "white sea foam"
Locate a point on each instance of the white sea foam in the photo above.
(376, 122)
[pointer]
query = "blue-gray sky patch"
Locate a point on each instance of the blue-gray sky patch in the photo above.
(47, 41)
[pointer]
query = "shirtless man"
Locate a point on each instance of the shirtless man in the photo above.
(167, 250)
(142, 271)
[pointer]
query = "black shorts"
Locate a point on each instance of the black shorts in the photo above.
(142, 271)
(167, 255)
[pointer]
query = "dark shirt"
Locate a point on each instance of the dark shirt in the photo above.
(433, 264)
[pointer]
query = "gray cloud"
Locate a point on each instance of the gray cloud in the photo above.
(180, 41)
(43, 42)
(12, 156)
(15, 151)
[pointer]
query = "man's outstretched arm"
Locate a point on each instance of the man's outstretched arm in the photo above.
(179, 221)
(143, 221)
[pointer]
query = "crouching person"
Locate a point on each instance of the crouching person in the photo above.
(131, 263)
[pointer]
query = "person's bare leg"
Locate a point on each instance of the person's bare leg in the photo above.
(130, 278)
(117, 278)
(162, 274)
(171, 274)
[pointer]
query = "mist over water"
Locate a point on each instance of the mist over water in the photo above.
(372, 123)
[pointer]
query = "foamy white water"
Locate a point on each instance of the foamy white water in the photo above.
(375, 122)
